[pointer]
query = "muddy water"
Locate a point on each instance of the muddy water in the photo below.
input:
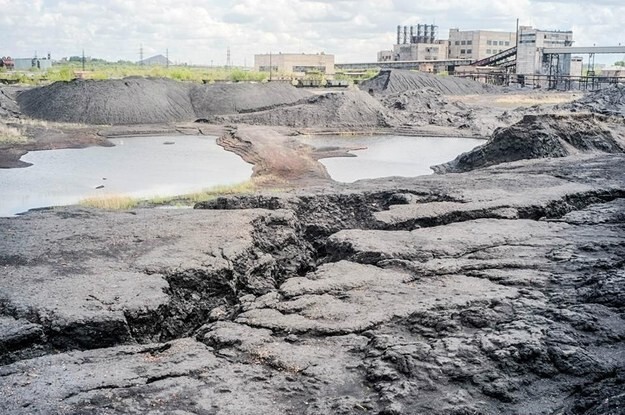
(136, 166)
(385, 156)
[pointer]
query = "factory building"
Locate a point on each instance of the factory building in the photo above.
(478, 44)
(25, 64)
(298, 64)
(530, 58)
(416, 43)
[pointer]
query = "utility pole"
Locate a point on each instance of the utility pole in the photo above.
(83, 60)
(270, 66)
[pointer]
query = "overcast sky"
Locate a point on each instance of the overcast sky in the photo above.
(200, 31)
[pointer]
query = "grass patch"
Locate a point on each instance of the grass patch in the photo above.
(116, 202)
(110, 202)
(10, 135)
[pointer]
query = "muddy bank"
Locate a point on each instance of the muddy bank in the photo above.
(544, 136)
(494, 291)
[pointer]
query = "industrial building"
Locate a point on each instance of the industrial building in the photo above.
(296, 64)
(416, 43)
(478, 44)
(25, 64)
(530, 58)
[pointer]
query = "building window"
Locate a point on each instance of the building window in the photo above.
(463, 42)
(469, 42)
(501, 43)
(469, 51)
(507, 43)
(462, 51)
(457, 42)
(488, 51)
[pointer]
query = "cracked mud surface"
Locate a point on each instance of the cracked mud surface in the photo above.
(495, 291)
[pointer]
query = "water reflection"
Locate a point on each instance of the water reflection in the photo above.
(390, 155)
(136, 166)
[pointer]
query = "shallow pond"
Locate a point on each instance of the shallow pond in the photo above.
(390, 155)
(136, 167)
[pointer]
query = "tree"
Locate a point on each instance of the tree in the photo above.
(619, 63)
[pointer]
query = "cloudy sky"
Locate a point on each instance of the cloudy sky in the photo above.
(200, 31)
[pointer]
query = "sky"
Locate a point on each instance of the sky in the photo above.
(199, 32)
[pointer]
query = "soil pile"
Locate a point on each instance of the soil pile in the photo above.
(8, 106)
(396, 81)
(220, 99)
(609, 101)
(124, 101)
(427, 106)
(542, 136)
(334, 110)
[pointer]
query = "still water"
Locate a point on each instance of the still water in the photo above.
(136, 167)
(390, 155)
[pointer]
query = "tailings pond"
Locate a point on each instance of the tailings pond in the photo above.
(137, 166)
(384, 156)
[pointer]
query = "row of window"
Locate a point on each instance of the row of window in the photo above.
(488, 42)
(467, 51)
(493, 51)
(501, 43)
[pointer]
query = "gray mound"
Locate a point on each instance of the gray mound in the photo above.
(124, 101)
(541, 136)
(334, 110)
(609, 101)
(395, 81)
(219, 99)
(8, 106)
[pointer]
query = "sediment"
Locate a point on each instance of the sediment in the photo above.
(493, 291)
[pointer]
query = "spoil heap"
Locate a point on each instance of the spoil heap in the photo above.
(349, 109)
(609, 101)
(148, 100)
(542, 136)
(396, 81)
(121, 101)
(220, 99)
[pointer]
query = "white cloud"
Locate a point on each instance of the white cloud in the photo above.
(200, 31)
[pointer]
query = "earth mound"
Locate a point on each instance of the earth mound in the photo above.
(609, 101)
(220, 99)
(542, 136)
(119, 101)
(351, 108)
(395, 81)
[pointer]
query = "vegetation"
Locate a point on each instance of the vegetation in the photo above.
(98, 69)
(111, 202)
(619, 63)
(118, 202)
(10, 135)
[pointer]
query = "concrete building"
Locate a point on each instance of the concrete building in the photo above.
(416, 43)
(531, 60)
(478, 44)
(577, 66)
(298, 64)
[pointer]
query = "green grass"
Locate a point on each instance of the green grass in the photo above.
(101, 71)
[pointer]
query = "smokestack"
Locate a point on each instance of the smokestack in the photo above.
(412, 34)
(405, 34)
(398, 34)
